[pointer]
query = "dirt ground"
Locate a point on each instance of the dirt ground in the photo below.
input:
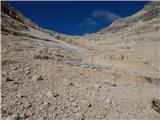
(49, 83)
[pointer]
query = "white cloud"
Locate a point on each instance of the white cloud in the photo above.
(109, 16)
(89, 22)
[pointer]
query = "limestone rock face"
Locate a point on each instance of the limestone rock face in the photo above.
(13, 22)
(16, 15)
(149, 12)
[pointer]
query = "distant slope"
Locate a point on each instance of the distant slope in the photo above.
(15, 23)
(151, 11)
(130, 44)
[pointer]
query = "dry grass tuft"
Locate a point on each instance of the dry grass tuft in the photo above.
(40, 57)
(7, 61)
(156, 104)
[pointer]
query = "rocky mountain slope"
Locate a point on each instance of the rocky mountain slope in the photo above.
(109, 75)
(136, 45)
(149, 12)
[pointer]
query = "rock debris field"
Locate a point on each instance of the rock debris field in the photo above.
(109, 75)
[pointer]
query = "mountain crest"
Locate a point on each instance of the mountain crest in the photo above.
(151, 11)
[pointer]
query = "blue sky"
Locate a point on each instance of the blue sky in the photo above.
(76, 18)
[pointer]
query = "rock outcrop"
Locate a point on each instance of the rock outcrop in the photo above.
(150, 12)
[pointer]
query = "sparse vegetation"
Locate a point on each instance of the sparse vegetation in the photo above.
(60, 37)
(7, 61)
(152, 79)
(156, 104)
(41, 57)
(148, 79)
(15, 49)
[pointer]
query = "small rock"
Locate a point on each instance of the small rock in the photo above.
(92, 67)
(89, 105)
(27, 105)
(13, 117)
(114, 85)
(17, 117)
(16, 79)
(80, 116)
(8, 79)
(16, 83)
(67, 82)
(44, 105)
(75, 104)
(28, 68)
(111, 102)
(34, 72)
(55, 94)
(26, 115)
(86, 104)
(20, 70)
(108, 101)
(28, 72)
(20, 95)
(3, 111)
(3, 74)
(10, 73)
(38, 77)
(49, 94)
(18, 102)
(15, 68)
(85, 66)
